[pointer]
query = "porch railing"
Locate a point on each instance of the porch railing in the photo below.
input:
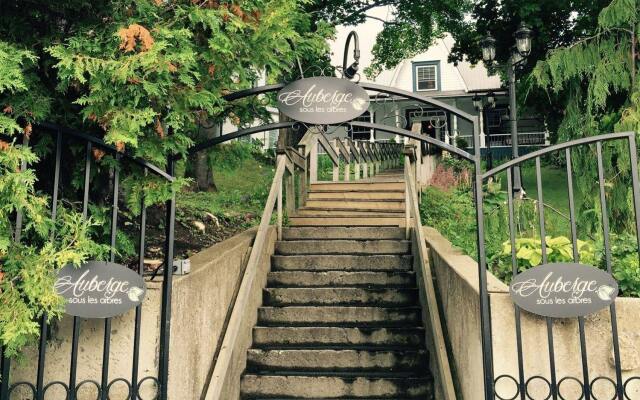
(497, 140)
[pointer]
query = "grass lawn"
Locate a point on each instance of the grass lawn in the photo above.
(243, 178)
(555, 195)
(242, 191)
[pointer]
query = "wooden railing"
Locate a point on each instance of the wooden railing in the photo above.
(364, 158)
(225, 357)
(431, 313)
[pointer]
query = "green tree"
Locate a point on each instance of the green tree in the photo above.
(128, 72)
(596, 78)
(413, 26)
(27, 266)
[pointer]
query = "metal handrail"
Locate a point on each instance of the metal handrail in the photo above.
(412, 216)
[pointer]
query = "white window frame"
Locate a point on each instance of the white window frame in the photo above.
(435, 77)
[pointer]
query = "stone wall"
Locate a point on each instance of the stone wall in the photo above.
(457, 286)
(199, 306)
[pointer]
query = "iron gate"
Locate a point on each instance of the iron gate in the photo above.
(136, 385)
(555, 384)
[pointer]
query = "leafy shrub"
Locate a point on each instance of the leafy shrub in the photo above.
(625, 264)
(529, 254)
(461, 143)
(452, 213)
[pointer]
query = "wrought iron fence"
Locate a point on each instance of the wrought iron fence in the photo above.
(556, 384)
(136, 385)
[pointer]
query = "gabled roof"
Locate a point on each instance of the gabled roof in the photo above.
(475, 77)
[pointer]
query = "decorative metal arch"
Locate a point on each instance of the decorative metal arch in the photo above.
(388, 90)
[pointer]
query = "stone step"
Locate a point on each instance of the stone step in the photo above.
(361, 212)
(340, 278)
(354, 233)
(328, 247)
(356, 204)
(333, 336)
(342, 262)
(334, 387)
(358, 186)
(329, 360)
(345, 220)
(340, 297)
(323, 194)
(343, 316)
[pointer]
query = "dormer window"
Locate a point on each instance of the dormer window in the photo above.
(426, 76)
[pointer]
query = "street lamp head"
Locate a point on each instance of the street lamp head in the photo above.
(523, 40)
(488, 49)
(351, 71)
(516, 57)
(491, 99)
(477, 102)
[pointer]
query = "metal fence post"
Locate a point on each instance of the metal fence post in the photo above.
(165, 330)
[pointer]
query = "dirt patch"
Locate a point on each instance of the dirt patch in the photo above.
(193, 233)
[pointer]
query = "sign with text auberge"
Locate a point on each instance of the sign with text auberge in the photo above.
(323, 100)
(99, 289)
(563, 290)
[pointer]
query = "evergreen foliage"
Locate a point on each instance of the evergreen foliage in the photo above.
(130, 73)
(28, 266)
(596, 77)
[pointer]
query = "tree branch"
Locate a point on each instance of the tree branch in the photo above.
(381, 20)
(364, 9)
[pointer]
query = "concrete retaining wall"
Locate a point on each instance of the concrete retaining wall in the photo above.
(457, 285)
(199, 305)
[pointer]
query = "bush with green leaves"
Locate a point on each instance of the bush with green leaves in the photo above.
(625, 263)
(126, 72)
(529, 254)
(452, 213)
(31, 251)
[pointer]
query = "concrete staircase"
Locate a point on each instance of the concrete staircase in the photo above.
(341, 317)
(378, 201)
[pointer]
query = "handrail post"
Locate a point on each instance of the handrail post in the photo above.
(356, 169)
(303, 178)
(347, 165)
(407, 204)
(336, 167)
(289, 189)
(313, 162)
(280, 206)
(409, 157)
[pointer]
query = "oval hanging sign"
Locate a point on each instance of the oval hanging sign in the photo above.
(323, 100)
(563, 290)
(99, 289)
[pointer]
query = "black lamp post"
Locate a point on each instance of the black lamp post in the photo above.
(351, 71)
(518, 56)
(480, 106)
